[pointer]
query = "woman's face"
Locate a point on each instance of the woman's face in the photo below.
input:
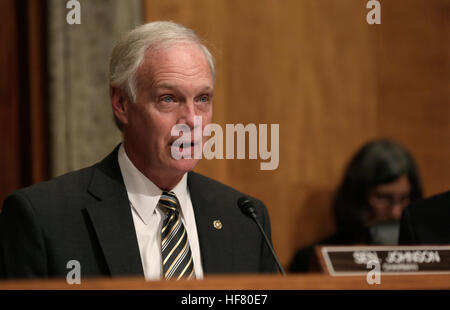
(388, 200)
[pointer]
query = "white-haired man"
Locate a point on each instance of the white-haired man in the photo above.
(139, 211)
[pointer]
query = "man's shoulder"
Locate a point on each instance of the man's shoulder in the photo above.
(207, 182)
(426, 221)
(216, 188)
(436, 205)
(69, 184)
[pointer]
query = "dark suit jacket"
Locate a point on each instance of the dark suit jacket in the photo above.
(86, 216)
(306, 260)
(427, 221)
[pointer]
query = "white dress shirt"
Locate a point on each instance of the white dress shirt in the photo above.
(144, 196)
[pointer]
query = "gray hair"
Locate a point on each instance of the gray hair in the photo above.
(129, 52)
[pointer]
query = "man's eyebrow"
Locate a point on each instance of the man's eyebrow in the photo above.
(206, 88)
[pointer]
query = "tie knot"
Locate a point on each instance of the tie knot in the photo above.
(169, 201)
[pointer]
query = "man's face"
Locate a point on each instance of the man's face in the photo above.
(173, 85)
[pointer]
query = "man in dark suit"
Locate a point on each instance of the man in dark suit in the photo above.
(427, 221)
(140, 211)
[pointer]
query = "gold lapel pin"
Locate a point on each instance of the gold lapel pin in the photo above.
(217, 224)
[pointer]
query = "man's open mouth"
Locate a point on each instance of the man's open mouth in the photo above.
(183, 145)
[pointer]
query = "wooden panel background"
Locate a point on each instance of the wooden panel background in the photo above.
(9, 104)
(332, 82)
(23, 108)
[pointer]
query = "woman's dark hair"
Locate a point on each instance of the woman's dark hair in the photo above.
(377, 162)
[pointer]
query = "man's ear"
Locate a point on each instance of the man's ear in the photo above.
(119, 102)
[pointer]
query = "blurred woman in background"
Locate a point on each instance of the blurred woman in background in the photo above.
(379, 182)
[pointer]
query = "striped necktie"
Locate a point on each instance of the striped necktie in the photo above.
(176, 252)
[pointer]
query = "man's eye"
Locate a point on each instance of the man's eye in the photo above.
(167, 99)
(203, 99)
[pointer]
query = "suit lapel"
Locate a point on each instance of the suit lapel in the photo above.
(215, 244)
(113, 223)
(112, 219)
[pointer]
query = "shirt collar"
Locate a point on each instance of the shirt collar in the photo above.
(142, 192)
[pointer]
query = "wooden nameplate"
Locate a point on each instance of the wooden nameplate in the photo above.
(358, 260)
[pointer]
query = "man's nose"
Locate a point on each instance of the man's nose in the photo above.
(187, 114)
